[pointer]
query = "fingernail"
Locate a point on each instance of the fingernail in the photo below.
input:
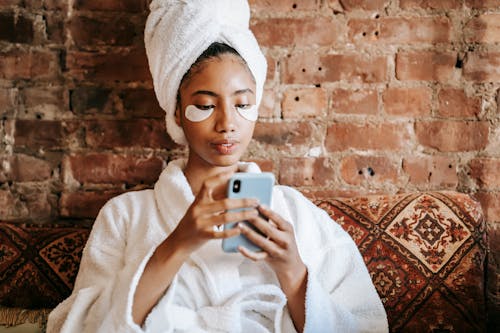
(264, 206)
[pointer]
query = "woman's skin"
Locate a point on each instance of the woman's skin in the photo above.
(215, 148)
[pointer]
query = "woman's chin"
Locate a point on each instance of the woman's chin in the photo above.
(226, 160)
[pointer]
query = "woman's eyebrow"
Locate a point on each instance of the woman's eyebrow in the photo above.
(204, 92)
(211, 93)
(243, 91)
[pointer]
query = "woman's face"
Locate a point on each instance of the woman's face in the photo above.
(211, 111)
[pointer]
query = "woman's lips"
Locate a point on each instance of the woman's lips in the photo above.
(225, 147)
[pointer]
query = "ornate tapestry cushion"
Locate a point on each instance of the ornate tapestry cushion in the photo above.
(426, 256)
(38, 263)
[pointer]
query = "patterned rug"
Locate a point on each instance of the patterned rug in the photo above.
(38, 263)
(426, 255)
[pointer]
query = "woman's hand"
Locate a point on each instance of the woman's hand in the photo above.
(278, 245)
(279, 250)
(210, 209)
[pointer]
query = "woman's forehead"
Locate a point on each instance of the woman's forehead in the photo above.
(226, 73)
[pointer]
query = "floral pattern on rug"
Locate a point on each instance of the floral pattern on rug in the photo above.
(426, 256)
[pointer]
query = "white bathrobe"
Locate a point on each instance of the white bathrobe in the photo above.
(214, 291)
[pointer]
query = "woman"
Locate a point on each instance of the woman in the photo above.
(154, 261)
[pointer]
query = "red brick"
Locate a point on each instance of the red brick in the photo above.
(7, 203)
(486, 172)
(361, 101)
(282, 5)
(150, 133)
(425, 66)
(482, 3)
(431, 170)
(298, 32)
(344, 136)
(482, 66)
(40, 99)
(408, 101)
(490, 202)
(267, 107)
(483, 29)
(39, 133)
(6, 3)
(452, 136)
(38, 203)
(455, 103)
(24, 168)
(84, 204)
(55, 28)
(20, 64)
(16, 28)
(350, 5)
(27, 168)
(307, 68)
(132, 6)
(357, 170)
(112, 168)
(281, 133)
(90, 100)
(271, 68)
(115, 65)
(303, 103)
(46, 4)
(415, 30)
(141, 103)
(93, 32)
(305, 171)
(430, 4)
(4, 168)
(8, 98)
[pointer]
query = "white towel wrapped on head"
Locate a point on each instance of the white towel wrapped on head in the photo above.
(177, 32)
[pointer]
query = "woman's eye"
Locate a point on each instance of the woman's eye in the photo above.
(205, 107)
(243, 106)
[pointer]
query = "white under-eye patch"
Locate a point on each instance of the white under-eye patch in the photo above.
(195, 114)
(249, 113)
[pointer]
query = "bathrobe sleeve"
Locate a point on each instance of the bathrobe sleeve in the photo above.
(340, 295)
(102, 298)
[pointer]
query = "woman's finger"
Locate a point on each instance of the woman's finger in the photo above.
(228, 204)
(269, 230)
(255, 256)
(215, 186)
(226, 233)
(280, 222)
(266, 244)
(230, 217)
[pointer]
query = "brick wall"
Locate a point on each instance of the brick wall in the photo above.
(379, 96)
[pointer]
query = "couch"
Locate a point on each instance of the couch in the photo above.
(426, 254)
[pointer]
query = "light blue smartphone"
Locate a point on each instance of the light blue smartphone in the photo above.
(247, 185)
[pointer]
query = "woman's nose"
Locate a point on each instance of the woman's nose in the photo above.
(225, 120)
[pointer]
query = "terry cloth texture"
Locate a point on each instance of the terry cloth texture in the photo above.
(177, 32)
(215, 291)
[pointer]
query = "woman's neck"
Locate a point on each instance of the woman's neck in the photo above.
(196, 173)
